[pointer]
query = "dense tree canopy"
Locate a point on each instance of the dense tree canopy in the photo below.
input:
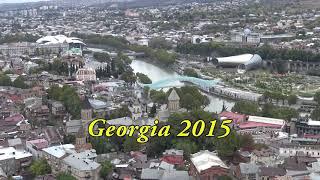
(224, 146)
(160, 56)
(191, 98)
(266, 51)
(101, 57)
(315, 115)
(114, 42)
(40, 167)
(129, 77)
(131, 144)
(246, 107)
(159, 43)
(144, 79)
(317, 97)
(190, 72)
(5, 80)
(159, 97)
(267, 110)
(19, 82)
(68, 96)
(65, 176)
(105, 169)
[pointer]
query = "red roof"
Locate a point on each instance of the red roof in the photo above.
(15, 98)
(136, 154)
(39, 143)
(312, 136)
(236, 117)
(250, 124)
(15, 118)
(172, 160)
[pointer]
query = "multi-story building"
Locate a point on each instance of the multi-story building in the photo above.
(81, 165)
(35, 147)
(294, 150)
(12, 160)
(31, 49)
(207, 165)
(86, 74)
(173, 156)
(55, 154)
(58, 109)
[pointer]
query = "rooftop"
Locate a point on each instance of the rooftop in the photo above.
(59, 151)
(11, 152)
(250, 168)
(39, 143)
(79, 162)
(173, 152)
(173, 96)
(205, 159)
(259, 119)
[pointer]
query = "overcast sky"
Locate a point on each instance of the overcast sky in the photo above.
(16, 1)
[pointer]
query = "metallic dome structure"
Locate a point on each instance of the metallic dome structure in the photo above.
(242, 62)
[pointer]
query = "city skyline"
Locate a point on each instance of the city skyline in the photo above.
(18, 1)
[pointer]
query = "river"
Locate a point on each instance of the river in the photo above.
(156, 73)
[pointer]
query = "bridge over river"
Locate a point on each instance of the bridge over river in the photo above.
(171, 82)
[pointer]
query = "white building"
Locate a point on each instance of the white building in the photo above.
(35, 147)
(86, 74)
(55, 154)
(12, 160)
(196, 39)
(291, 150)
(59, 39)
(237, 93)
(207, 165)
(82, 165)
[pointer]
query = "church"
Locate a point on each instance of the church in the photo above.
(172, 106)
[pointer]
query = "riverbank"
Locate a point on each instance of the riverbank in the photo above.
(157, 73)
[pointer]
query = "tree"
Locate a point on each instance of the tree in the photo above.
(68, 96)
(189, 103)
(159, 43)
(5, 80)
(130, 144)
(144, 79)
(153, 110)
(159, 97)
(129, 77)
(190, 72)
(65, 176)
(146, 90)
(246, 107)
(69, 139)
(106, 168)
(315, 115)
(101, 57)
(40, 167)
(198, 100)
(292, 99)
(157, 145)
(188, 147)
(19, 83)
(316, 97)
(228, 145)
(246, 141)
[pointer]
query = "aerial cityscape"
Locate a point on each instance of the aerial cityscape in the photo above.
(160, 90)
